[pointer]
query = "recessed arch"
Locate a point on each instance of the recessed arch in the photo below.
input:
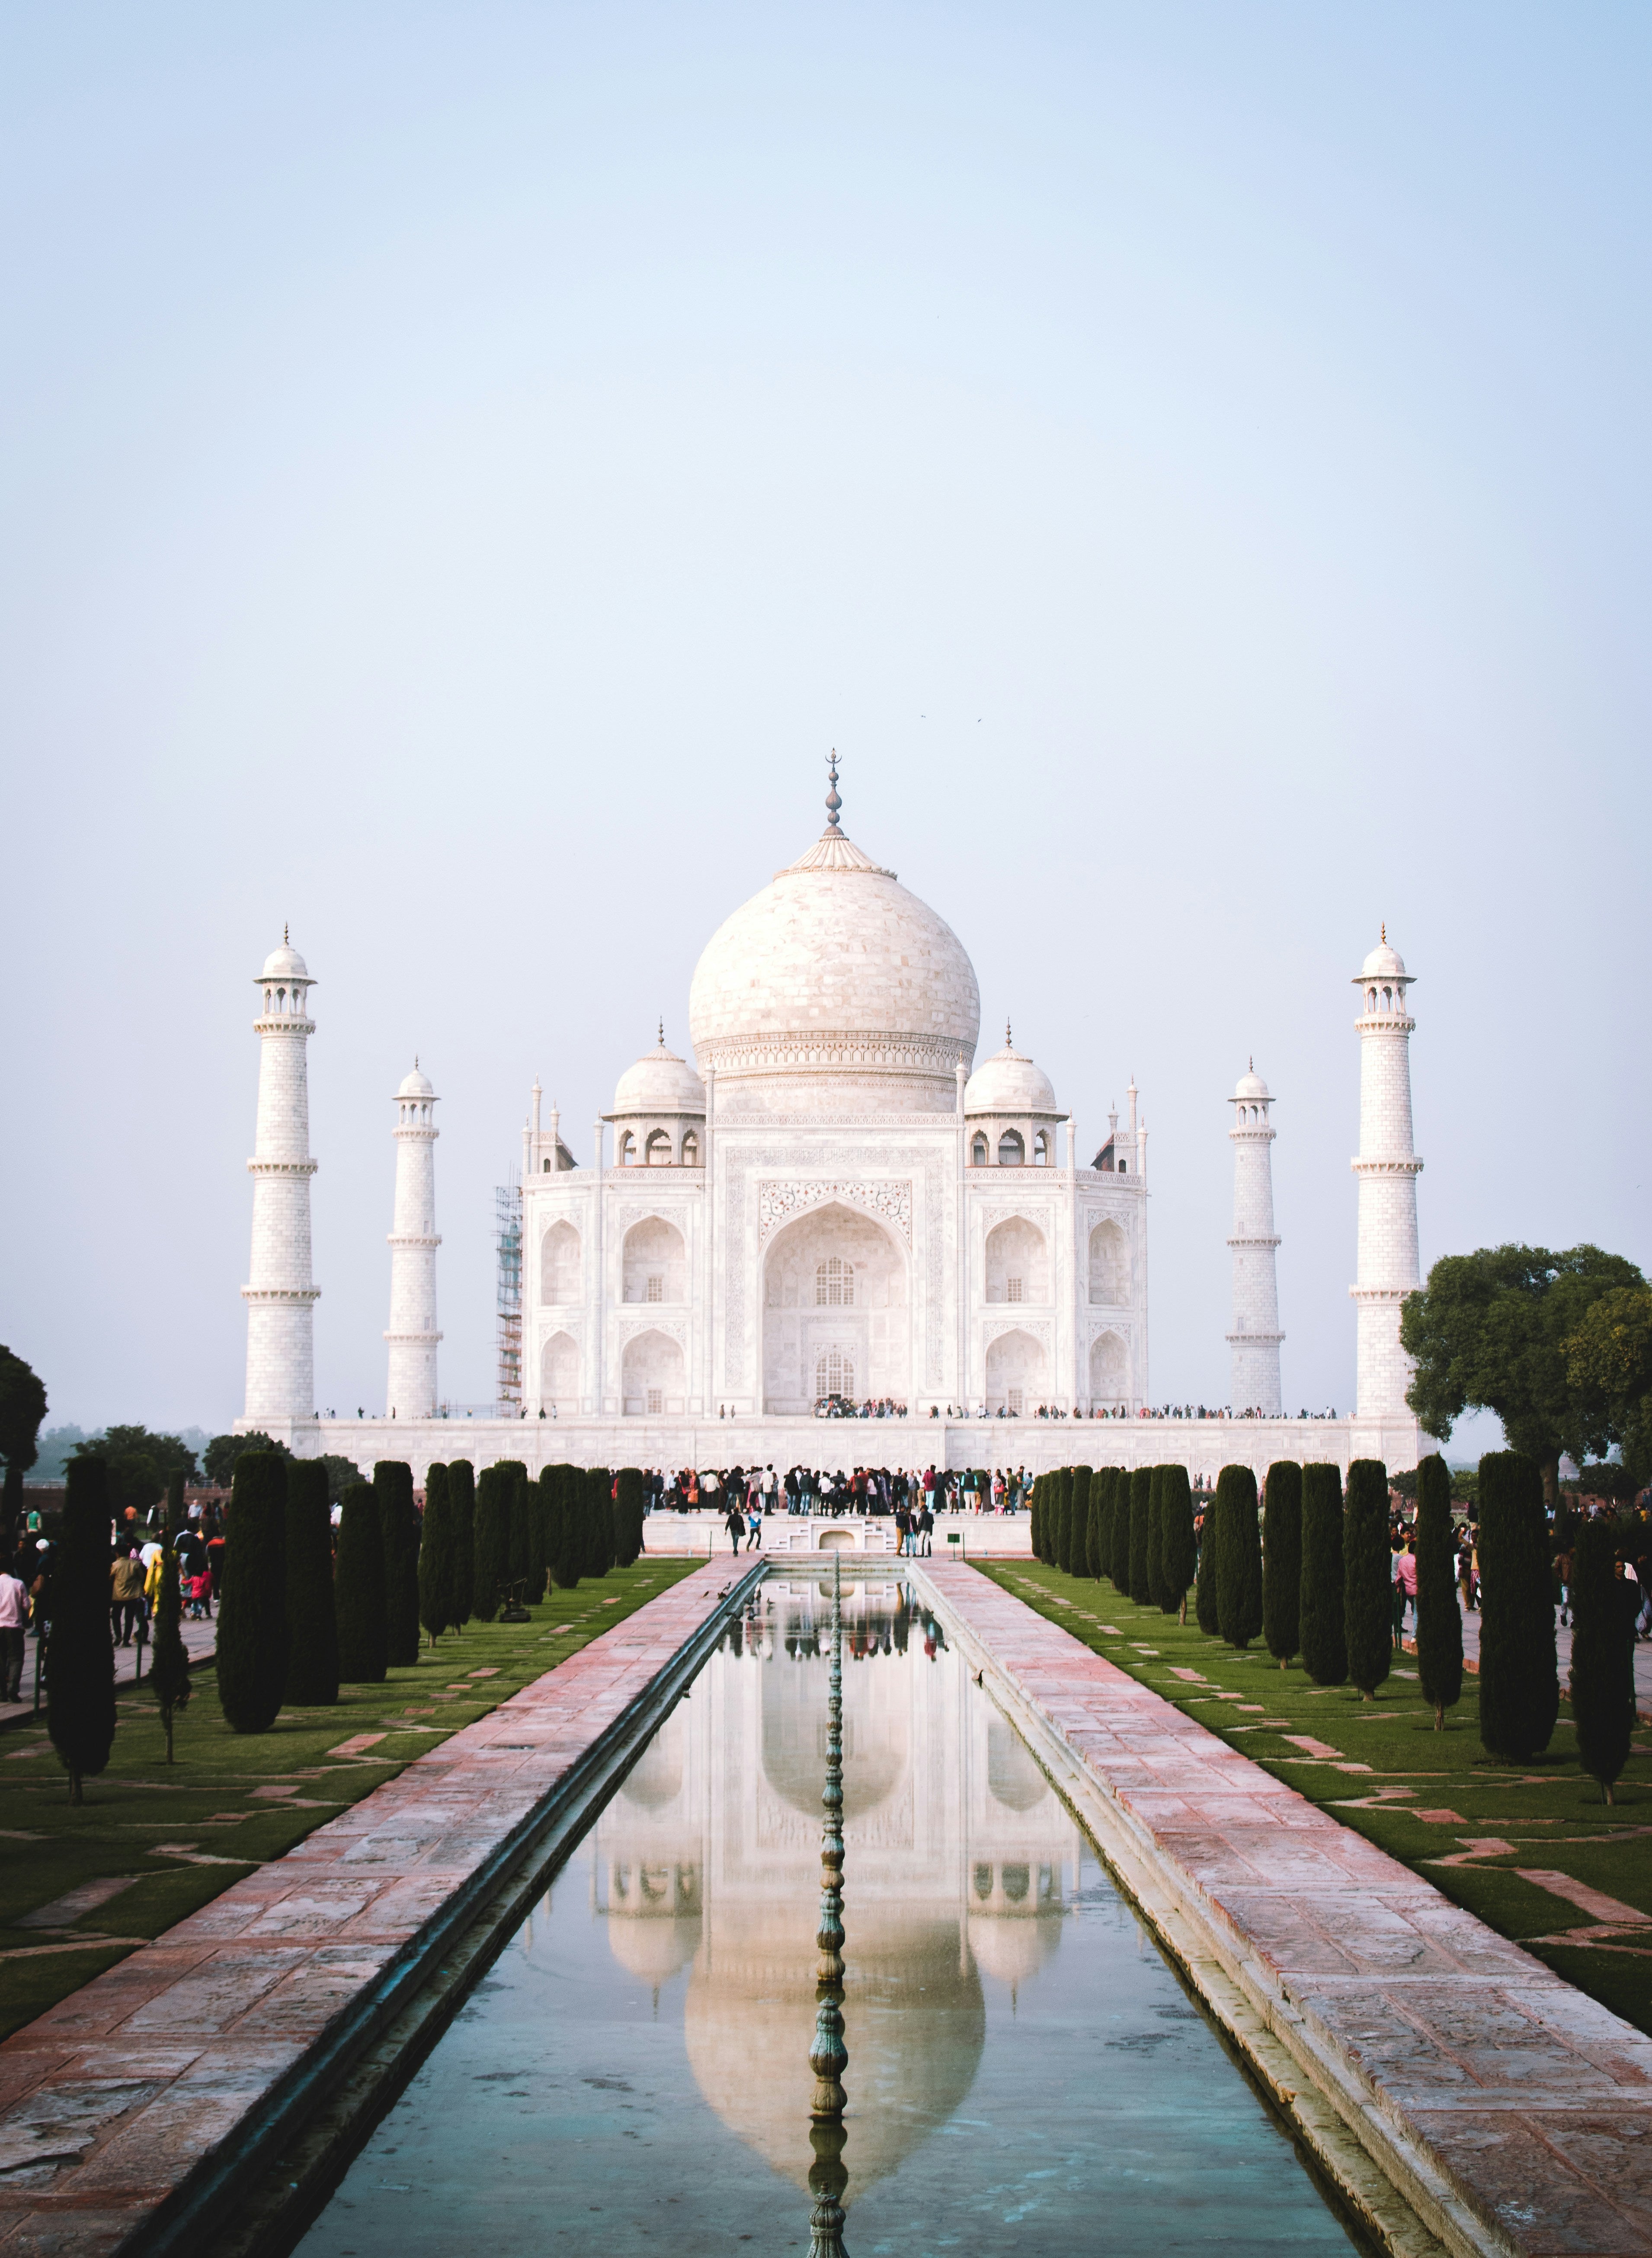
(651, 1371)
(868, 1324)
(1109, 1265)
(1011, 1152)
(559, 1373)
(1016, 1374)
(1109, 1370)
(1017, 1262)
(656, 1152)
(653, 1262)
(559, 1267)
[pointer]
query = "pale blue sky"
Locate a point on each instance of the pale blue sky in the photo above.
(461, 467)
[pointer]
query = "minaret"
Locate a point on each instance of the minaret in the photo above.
(281, 1301)
(1386, 1171)
(1255, 1335)
(410, 1391)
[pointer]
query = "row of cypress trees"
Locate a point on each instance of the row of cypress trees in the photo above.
(1135, 1528)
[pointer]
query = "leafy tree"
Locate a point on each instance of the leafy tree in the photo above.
(341, 1473)
(1140, 1503)
(80, 1661)
(312, 1625)
(168, 1658)
(1520, 1686)
(358, 1603)
(1367, 1576)
(1609, 1361)
(494, 1492)
(252, 1642)
(1602, 1658)
(140, 1465)
(1321, 1618)
(1155, 1563)
(628, 1515)
(1177, 1553)
(1239, 1537)
(1119, 1567)
(438, 1558)
(567, 1513)
(1610, 1484)
(22, 1409)
(218, 1460)
(461, 1493)
(1492, 1330)
(399, 1522)
(1282, 1560)
(1082, 1478)
(1439, 1619)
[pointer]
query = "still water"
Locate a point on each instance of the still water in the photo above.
(1025, 2072)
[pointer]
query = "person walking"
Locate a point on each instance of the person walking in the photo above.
(736, 1527)
(903, 1529)
(125, 1597)
(754, 1524)
(926, 1530)
(14, 1616)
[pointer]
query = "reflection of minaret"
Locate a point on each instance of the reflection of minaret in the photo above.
(1386, 1171)
(410, 1393)
(1255, 1335)
(281, 1301)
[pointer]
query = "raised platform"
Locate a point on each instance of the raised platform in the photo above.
(1204, 1446)
(958, 1536)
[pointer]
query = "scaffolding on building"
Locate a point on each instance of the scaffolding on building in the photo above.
(508, 1299)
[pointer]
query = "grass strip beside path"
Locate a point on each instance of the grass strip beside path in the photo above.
(1476, 1827)
(151, 1842)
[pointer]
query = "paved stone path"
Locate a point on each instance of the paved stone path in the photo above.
(200, 1640)
(108, 2099)
(1533, 2102)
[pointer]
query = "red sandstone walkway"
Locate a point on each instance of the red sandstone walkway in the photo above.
(108, 2099)
(1534, 2101)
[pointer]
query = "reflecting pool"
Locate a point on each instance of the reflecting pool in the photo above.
(1024, 2069)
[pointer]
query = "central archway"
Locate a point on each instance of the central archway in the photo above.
(836, 1300)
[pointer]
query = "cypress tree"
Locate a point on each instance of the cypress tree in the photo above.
(1155, 1542)
(628, 1515)
(1204, 1603)
(1520, 1689)
(565, 1565)
(1368, 1566)
(358, 1589)
(175, 1514)
(399, 1521)
(462, 1499)
(1039, 1518)
(1282, 1560)
(1119, 1566)
(1439, 1620)
(1602, 1658)
(1320, 1618)
(596, 1529)
(1141, 1500)
(1239, 1572)
(312, 1630)
(252, 1612)
(494, 1493)
(523, 1522)
(1082, 1479)
(168, 1658)
(550, 1519)
(1063, 1480)
(80, 1656)
(1100, 1522)
(438, 1555)
(1178, 1559)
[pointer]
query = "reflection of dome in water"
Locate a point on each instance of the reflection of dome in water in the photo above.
(794, 1739)
(1012, 1946)
(654, 1915)
(1013, 1778)
(656, 1777)
(914, 2027)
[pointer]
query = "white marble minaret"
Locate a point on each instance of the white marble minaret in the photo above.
(1255, 1335)
(281, 1301)
(410, 1392)
(1386, 1171)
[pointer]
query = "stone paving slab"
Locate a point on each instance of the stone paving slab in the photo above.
(1531, 2101)
(112, 2097)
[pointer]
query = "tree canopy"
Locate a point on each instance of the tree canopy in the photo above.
(1492, 1330)
(22, 1409)
(1610, 1358)
(139, 1465)
(218, 1460)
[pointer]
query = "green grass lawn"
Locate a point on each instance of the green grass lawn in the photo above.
(232, 1800)
(1423, 1796)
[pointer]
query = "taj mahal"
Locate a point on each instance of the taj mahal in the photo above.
(833, 1205)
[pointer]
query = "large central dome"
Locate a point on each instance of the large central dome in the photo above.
(835, 990)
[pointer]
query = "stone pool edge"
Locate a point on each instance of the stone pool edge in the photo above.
(286, 2138)
(1352, 2114)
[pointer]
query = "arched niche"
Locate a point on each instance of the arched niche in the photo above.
(651, 1375)
(1017, 1373)
(1109, 1370)
(1109, 1265)
(1017, 1262)
(653, 1262)
(559, 1373)
(559, 1267)
(834, 1279)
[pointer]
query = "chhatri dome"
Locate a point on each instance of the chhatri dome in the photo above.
(1009, 1082)
(835, 975)
(417, 1084)
(1383, 963)
(659, 1083)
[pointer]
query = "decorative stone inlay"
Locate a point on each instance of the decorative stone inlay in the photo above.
(810, 1052)
(778, 1203)
(1037, 1327)
(1040, 1218)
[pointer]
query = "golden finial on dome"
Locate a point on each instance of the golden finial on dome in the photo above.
(1009, 1040)
(833, 802)
(286, 938)
(1385, 932)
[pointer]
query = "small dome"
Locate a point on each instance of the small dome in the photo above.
(1009, 1082)
(417, 1084)
(659, 1083)
(1383, 963)
(1252, 1087)
(284, 963)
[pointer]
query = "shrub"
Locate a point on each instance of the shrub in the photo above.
(1035, 1517)
(1520, 1688)
(1082, 1479)
(1320, 1615)
(628, 1515)
(1239, 1572)
(80, 1666)
(438, 1555)
(494, 1494)
(462, 1499)
(523, 1529)
(1368, 1566)
(1205, 1607)
(1176, 1551)
(1282, 1560)
(252, 1639)
(1063, 1480)
(357, 1588)
(399, 1524)
(1438, 1620)
(312, 1628)
(1119, 1567)
(1602, 1658)
(168, 1657)
(600, 1520)
(1101, 1545)
(1154, 1539)
(567, 1514)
